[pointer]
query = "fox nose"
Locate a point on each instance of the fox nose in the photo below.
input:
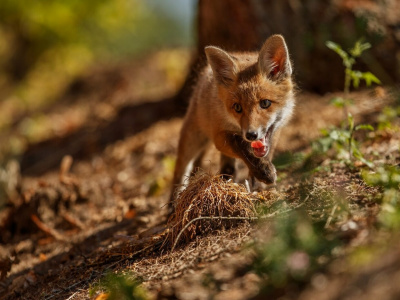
(251, 135)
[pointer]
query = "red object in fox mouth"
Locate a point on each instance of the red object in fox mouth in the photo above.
(260, 147)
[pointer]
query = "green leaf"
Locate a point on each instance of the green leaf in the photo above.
(336, 47)
(324, 132)
(334, 135)
(370, 78)
(364, 127)
(356, 76)
(350, 119)
(338, 102)
(341, 102)
(365, 46)
(359, 48)
(121, 286)
(361, 158)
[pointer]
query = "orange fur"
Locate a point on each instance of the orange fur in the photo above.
(233, 82)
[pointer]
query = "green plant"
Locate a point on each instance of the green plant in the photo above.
(343, 142)
(352, 146)
(342, 139)
(288, 159)
(349, 59)
(387, 118)
(351, 76)
(297, 249)
(388, 179)
(120, 286)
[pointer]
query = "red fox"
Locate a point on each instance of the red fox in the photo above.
(240, 102)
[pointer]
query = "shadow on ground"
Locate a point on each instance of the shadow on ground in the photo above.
(68, 259)
(86, 141)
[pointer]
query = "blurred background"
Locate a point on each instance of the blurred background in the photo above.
(47, 45)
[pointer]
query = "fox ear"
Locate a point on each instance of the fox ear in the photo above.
(222, 64)
(273, 59)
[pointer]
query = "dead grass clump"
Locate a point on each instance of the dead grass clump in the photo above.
(211, 199)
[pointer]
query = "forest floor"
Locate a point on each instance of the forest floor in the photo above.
(89, 199)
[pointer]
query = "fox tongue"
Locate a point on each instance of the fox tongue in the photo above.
(258, 144)
(260, 147)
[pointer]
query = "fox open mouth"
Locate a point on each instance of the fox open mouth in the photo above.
(261, 146)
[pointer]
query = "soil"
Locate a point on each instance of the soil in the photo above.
(91, 198)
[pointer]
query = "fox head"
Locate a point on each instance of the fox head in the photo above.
(256, 89)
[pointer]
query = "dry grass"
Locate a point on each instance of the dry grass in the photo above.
(211, 201)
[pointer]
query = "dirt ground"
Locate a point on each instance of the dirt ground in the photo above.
(91, 198)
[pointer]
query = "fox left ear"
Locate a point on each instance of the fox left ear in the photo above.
(273, 59)
(222, 64)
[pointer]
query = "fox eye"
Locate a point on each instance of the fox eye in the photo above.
(265, 103)
(237, 107)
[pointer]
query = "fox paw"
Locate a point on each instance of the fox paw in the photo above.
(264, 172)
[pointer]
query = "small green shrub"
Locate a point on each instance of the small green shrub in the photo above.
(388, 179)
(349, 59)
(120, 287)
(342, 139)
(297, 249)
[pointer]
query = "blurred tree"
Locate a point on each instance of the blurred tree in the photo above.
(47, 45)
(44, 44)
(30, 30)
(244, 25)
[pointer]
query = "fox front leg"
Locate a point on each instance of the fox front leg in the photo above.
(227, 167)
(192, 144)
(235, 146)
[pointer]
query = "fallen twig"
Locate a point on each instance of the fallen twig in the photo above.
(328, 221)
(73, 221)
(50, 231)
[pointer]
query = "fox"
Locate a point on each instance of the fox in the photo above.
(240, 103)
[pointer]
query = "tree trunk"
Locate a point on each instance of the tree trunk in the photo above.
(243, 25)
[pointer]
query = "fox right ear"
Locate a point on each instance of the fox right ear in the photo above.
(222, 64)
(273, 59)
